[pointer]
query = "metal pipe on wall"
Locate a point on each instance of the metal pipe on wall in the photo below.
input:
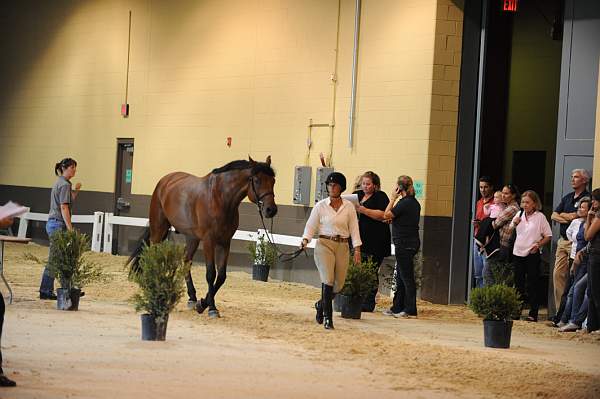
(357, 9)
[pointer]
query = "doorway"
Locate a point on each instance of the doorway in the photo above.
(520, 99)
(123, 197)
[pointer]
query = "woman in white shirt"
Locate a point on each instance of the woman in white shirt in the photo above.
(335, 220)
(533, 232)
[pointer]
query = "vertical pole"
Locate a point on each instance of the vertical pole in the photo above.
(23, 223)
(97, 231)
(357, 9)
(108, 227)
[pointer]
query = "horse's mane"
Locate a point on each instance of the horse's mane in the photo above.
(243, 164)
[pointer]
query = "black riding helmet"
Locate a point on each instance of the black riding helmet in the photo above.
(337, 177)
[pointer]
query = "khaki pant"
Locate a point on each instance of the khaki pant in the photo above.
(332, 260)
(561, 269)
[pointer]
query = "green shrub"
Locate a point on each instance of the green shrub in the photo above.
(502, 272)
(495, 302)
(389, 270)
(361, 279)
(67, 260)
(262, 252)
(161, 279)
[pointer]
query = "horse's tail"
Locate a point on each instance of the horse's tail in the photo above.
(134, 260)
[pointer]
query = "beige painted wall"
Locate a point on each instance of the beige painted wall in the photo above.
(596, 176)
(257, 71)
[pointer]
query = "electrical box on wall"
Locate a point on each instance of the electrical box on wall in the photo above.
(321, 187)
(302, 176)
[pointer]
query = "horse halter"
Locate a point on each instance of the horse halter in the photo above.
(283, 256)
(259, 198)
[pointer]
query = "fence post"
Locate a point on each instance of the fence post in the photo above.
(97, 231)
(23, 223)
(108, 230)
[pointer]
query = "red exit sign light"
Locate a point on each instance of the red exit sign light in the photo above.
(510, 5)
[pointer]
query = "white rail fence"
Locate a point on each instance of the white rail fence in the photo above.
(97, 220)
(104, 224)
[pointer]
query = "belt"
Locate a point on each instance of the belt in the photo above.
(335, 238)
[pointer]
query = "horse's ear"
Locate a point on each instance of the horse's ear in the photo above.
(269, 160)
(252, 161)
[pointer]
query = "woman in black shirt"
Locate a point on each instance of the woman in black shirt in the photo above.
(374, 232)
(405, 216)
(592, 234)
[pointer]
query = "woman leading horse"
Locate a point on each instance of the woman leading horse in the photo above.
(206, 209)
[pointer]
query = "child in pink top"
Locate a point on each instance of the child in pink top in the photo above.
(494, 209)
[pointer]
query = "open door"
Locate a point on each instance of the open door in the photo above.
(123, 195)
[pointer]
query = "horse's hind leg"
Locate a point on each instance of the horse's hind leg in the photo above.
(191, 244)
(159, 224)
(211, 274)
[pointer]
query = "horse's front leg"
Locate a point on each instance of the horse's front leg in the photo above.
(222, 258)
(211, 274)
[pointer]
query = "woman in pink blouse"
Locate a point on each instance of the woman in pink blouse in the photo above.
(533, 232)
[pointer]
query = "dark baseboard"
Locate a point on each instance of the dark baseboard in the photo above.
(290, 220)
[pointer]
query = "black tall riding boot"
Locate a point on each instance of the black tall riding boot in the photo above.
(319, 306)
(327, 307)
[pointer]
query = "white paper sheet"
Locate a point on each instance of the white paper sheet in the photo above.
(10, 209)
(352, 198)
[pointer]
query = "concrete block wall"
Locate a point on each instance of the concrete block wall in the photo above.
(256, 71)
(444, 109)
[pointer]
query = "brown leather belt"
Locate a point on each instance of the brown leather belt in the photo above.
(335, 238)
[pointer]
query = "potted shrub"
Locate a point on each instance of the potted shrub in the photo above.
(361, 280)
(263, 256)
(68, 262)
(496, 304)
(161, 276)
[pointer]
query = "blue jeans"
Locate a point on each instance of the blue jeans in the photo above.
(576, 302)
(478, 266)
(47, 284)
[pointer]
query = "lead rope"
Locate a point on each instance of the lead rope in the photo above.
(282, 256)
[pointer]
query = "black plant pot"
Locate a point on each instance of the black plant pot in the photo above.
(352, 307)
(75, 295)
(63, 300)
(66, 300)
(339, 301)
(260, 272)
(153, 331)
(496, 334)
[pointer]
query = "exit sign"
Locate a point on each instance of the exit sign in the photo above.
(509, 5)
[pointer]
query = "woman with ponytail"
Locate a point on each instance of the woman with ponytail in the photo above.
(59, 216)
(404, 211)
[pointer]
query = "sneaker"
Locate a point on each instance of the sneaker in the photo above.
(48, 296)
(405, 315)
(561, 324)
(400, 315)
(571, 327)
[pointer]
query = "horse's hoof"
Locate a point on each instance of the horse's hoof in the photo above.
(213, 314)
(191, 305)
(201, 306)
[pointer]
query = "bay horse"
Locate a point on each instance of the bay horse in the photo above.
(206, 209)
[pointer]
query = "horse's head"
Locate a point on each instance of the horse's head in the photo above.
(260, 190)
